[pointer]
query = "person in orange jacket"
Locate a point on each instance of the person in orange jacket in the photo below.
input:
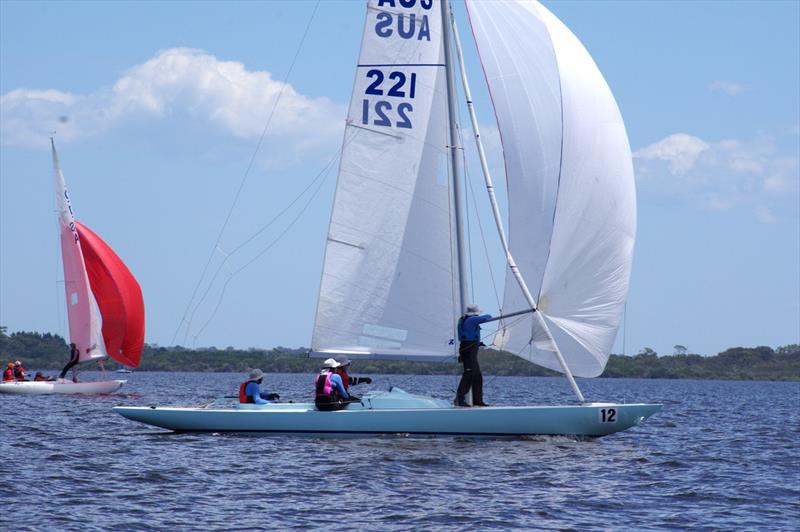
(8, 374)
(347, 380)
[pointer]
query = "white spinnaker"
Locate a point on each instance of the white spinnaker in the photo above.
(82, 314)
(572, 207)
(388, 278)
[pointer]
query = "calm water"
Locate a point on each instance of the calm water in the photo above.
(721, 455)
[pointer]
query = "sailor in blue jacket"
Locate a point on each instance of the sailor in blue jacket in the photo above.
(469, 336)
(250, 390)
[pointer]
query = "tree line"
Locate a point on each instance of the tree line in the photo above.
(45, 351)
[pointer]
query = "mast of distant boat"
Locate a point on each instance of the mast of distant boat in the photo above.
(447, 16)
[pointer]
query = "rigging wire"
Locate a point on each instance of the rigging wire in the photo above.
(485, 246)
(321, 174)
(260, 254)
(246, 174)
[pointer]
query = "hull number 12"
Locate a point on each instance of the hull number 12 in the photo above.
(608, 415)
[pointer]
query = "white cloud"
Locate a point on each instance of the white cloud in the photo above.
(722, 175)
(680, 150)
(179, 80)
(765, 215)
(726, 87)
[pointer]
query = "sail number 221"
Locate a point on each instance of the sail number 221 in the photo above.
(386, 112)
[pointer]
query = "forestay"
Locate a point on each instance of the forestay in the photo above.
(388, 282)
(572, 214)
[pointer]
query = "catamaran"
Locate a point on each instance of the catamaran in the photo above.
(99, 289)
(394, 279)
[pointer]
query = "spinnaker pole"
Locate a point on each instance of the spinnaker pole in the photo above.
(487, 177)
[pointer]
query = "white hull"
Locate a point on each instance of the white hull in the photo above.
(51, 387)
(397, 412)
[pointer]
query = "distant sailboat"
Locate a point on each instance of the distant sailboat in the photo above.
(394, 279)
(105, 308)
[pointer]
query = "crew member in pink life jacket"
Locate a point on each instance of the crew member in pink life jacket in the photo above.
(8, 374)
(330, 391)
(250, 390)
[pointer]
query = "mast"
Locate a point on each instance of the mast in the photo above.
(496, 211)
(455, 159)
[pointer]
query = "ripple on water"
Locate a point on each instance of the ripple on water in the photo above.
(692, 466)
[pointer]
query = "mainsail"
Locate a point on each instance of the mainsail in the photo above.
(91, 265)
(572, 213)
(83, 318)
(389, 285)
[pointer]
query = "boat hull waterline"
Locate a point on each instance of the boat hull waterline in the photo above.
(58, 387)
(397, 412)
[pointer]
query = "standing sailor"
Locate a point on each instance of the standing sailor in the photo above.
(74, 358)
(469, 336)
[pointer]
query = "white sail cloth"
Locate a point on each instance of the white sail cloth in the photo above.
(572, 210)
(388, 281)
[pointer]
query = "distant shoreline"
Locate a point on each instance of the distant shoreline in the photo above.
(49, 352)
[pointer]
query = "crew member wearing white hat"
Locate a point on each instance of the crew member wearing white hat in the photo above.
(330, 391)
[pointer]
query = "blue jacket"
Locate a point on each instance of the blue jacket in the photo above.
(254, 390)
(469, 327)
(336, 382)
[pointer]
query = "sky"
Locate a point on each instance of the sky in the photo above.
(160, 111)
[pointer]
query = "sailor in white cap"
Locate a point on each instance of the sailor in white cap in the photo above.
(330, 393)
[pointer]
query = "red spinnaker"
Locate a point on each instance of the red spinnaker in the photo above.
(118, 296)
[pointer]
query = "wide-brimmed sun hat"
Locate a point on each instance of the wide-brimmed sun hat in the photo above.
(330, 363)
(17, 363)
(342, 360)
(473, 309)
(256, 374)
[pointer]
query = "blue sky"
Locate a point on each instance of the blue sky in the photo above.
(164, 104)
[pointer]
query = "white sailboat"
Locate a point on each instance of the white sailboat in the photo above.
(105, 308)
(394, 278)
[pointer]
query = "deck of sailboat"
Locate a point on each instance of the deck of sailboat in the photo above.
(399, 413)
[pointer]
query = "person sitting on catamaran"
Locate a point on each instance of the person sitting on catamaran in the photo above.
(330, 391)
(19, 371)
(8, 374)
(346, 379)
(74, 358)
(39, 377)
(469, 336)
(250, 390)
